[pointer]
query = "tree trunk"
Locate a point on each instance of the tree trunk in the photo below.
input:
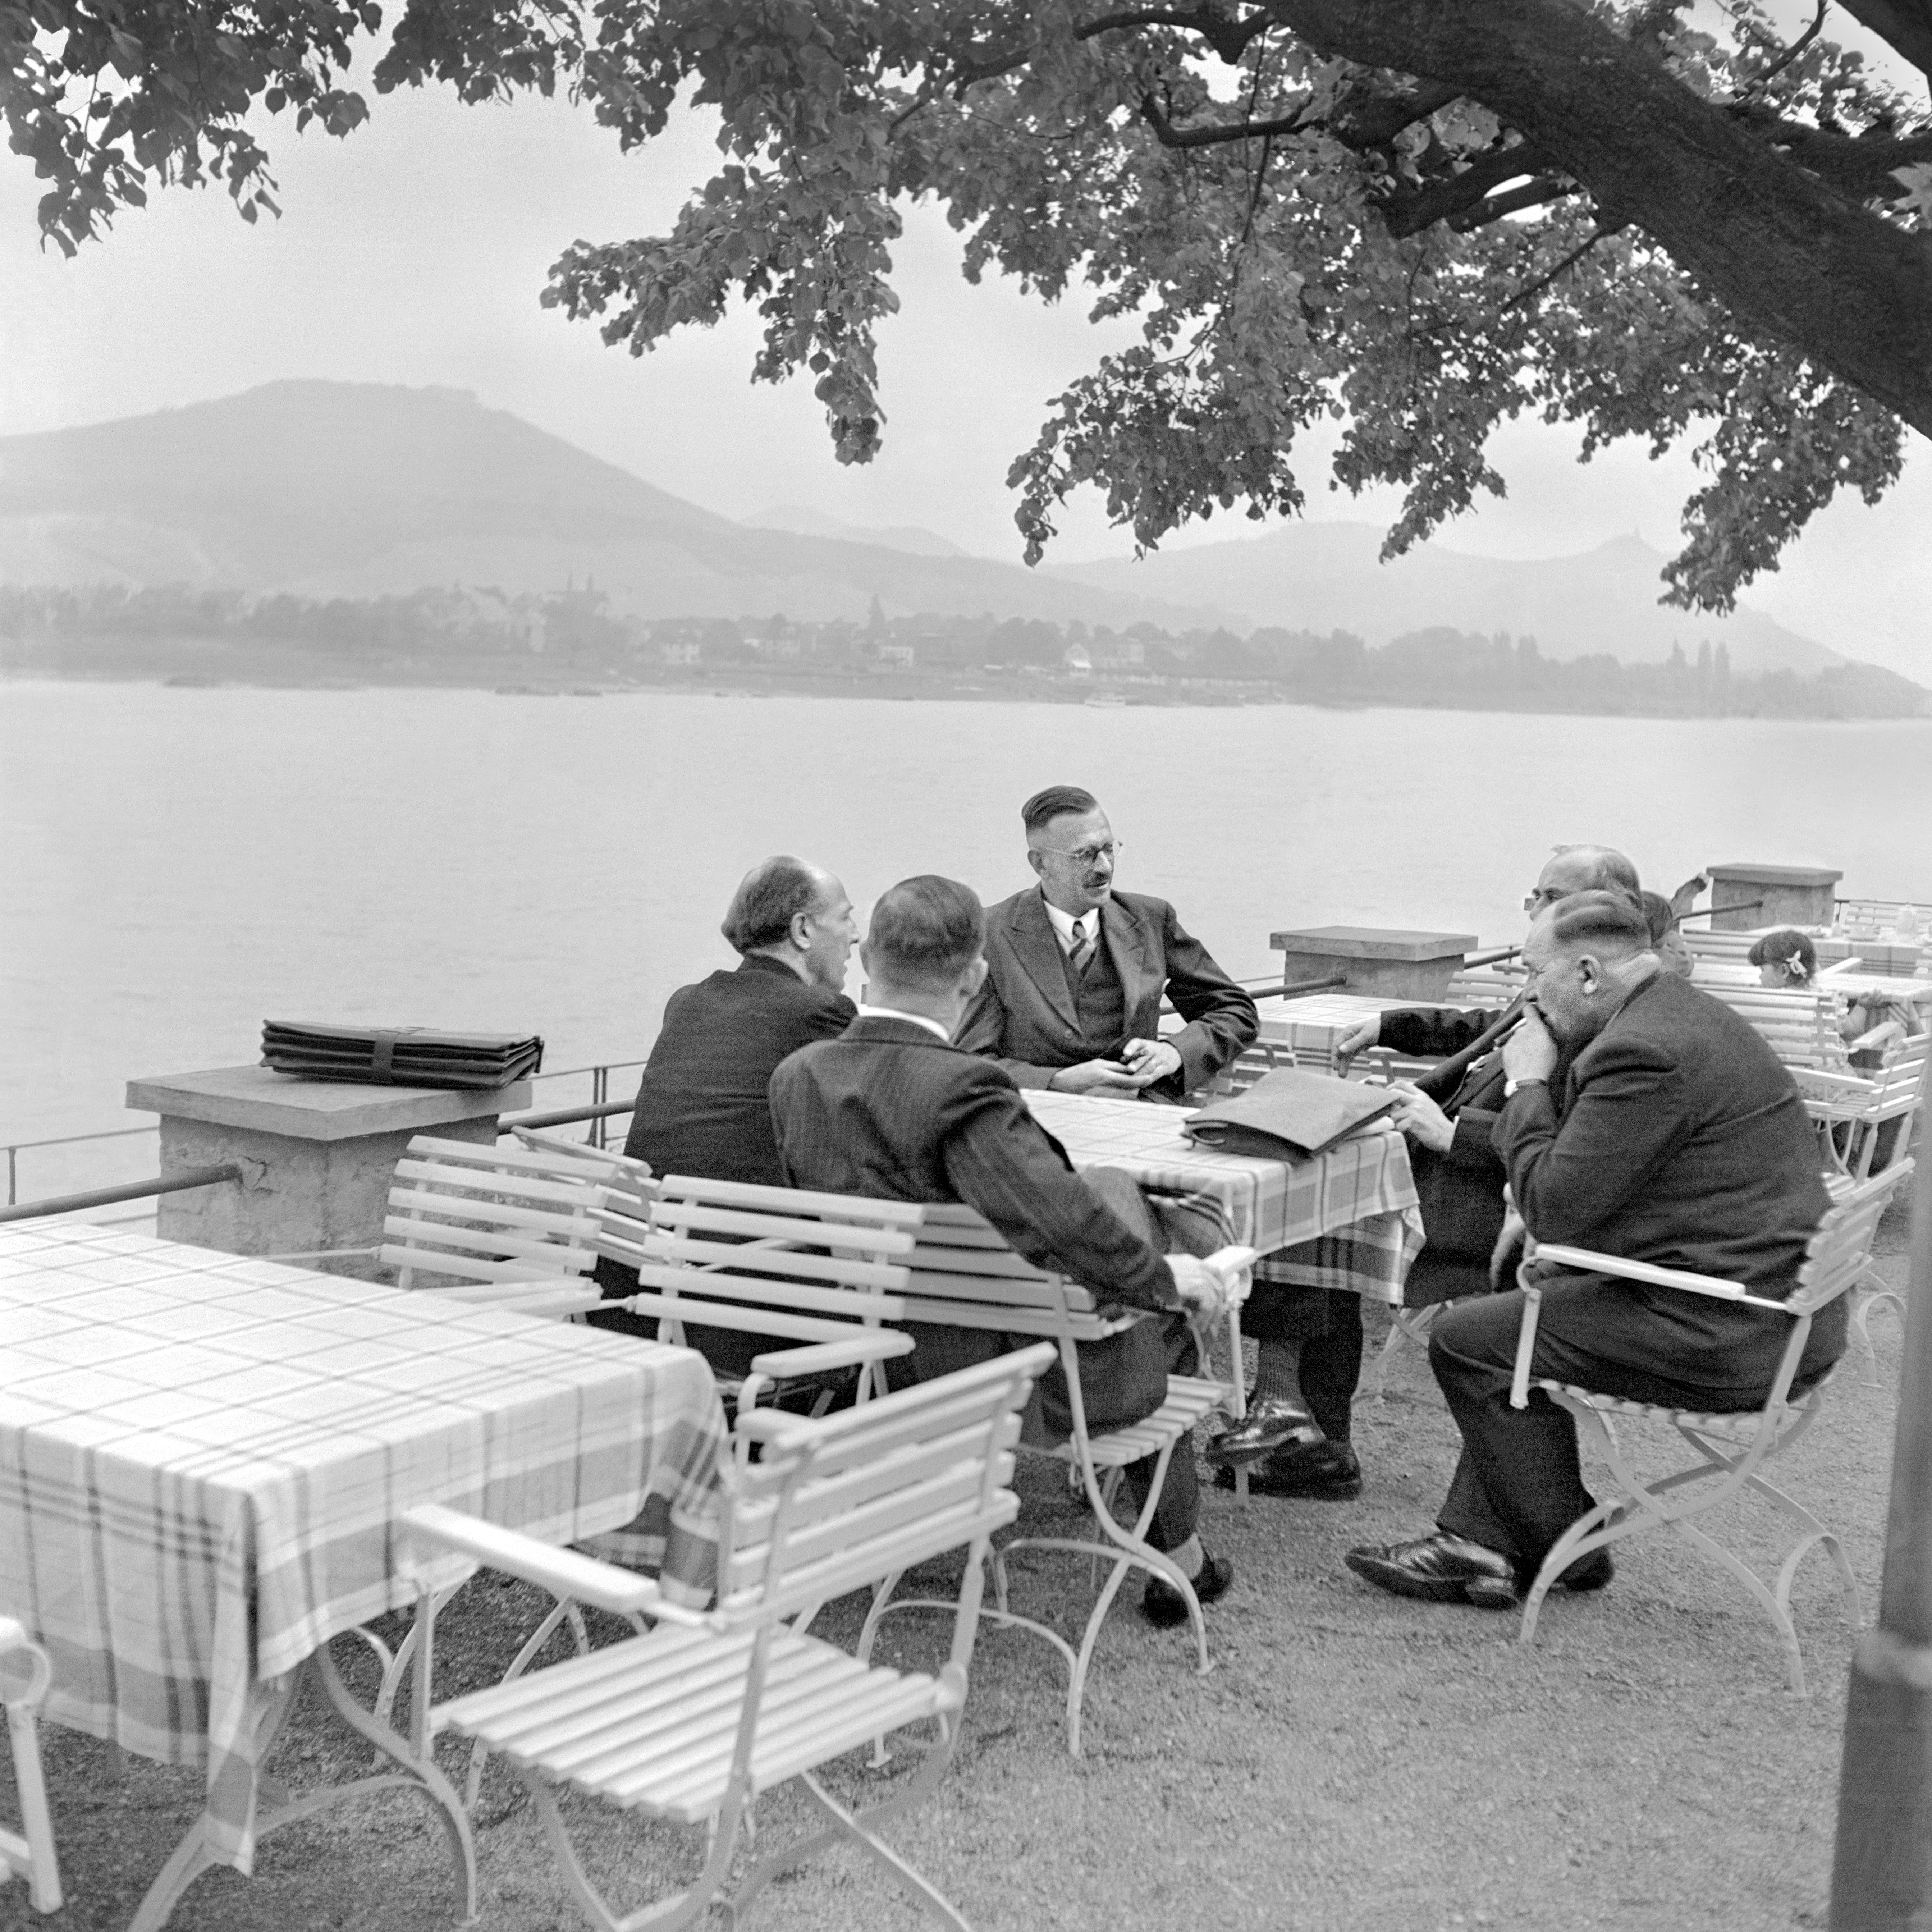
(1780, 249)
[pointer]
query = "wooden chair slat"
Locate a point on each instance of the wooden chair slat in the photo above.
(861, 1209)
(719, 1285)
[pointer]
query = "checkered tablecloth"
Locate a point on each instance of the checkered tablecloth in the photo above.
(1346, 1218)
(202, 1457)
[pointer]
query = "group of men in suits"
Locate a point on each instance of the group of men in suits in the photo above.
(1624, 1112)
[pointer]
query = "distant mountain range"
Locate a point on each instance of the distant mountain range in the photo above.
(1324, 576)
(324, 490)
(907, 537)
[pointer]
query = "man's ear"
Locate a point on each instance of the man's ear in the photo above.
(865, 957)
(974, 977)
(1589, 974)
(800, 934)
(1036, 862)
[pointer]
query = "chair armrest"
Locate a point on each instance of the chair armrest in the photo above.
(1525, 1337)
(1833, 1084)
(1236, 1267)
(563, 1573)
(14, 1642)
(1590, 1262)
(811, 1358)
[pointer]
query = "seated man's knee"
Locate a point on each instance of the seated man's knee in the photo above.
(1483, 1329)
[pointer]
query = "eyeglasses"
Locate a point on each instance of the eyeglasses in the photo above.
(1543, 895)
(1089, 855)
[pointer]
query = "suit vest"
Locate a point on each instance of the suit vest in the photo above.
(1099, 1001)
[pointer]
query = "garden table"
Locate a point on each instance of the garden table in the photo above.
(202, 1458)
(1348, 1218)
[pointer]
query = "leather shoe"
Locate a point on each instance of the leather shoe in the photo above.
(1272, 1422)
(1325, 1470)
(1164, 1606)
(1440, 1569)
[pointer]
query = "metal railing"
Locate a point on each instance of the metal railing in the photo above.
(602, 1108)
(135, 1190)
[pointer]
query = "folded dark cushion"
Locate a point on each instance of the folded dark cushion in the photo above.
(398, 1056)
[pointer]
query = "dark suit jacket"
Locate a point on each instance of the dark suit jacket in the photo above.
(1461, 1190)
(891, 1111)
(1684, 1142)
(703, 1107)
(1024, 1016)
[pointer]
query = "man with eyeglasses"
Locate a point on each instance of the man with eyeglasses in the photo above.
(1310, 1339)
(1077, 970)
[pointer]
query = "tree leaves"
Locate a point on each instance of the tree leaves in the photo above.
(1390, 249)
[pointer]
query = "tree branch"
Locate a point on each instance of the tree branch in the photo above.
(1776, 244)
(1906, 25)
(1569, 261)
(1169, 136)
(1410, 214)
(1858, 165)
(1227, 37)
(1531, 194)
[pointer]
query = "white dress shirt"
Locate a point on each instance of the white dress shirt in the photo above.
(1074, 932)
(933, 1027)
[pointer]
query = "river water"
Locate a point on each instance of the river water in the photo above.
(181, 863)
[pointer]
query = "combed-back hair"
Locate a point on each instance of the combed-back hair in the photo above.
(1056, 802)
(926, 930)
(768, 898)
(1610, 872)
(1612, 920)
(1789, 949)
(1658, 914)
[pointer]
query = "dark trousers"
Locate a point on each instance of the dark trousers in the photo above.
(1327, 1323)
(1519, 1484)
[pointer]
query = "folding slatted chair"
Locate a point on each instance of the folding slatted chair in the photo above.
(510, 1228)
(964, 1275)
(825, 1272)
(29, 1853)
(689, 1721)
(1732, 1447)
(1853, 1109)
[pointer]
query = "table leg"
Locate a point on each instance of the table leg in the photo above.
(192, 1856)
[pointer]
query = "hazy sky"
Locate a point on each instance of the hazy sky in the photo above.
(414, 251)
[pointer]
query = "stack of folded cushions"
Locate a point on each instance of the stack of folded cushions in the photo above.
(398, 1056)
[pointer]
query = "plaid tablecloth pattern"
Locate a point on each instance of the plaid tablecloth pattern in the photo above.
(201, 1458)
(1346, 1218)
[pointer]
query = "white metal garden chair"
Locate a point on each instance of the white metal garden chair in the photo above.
(964, 1275)
(690, 1721)
(29, 1852)
(1731, 1447)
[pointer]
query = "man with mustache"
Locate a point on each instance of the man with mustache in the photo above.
(1310, 1339)
(1681, 1141)
(1077, 969)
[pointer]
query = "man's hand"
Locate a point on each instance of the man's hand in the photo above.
(1203, 1292)
(1529, 1053)
(1358, 1040)
(1095, 1076)
(1150, 1060)
(1502, 1256)
(1421, 1119)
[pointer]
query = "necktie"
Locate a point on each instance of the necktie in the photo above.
(1083, 948)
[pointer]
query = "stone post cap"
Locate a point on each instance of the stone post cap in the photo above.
(257, 1098)
(1373, 942)
(1776, 875)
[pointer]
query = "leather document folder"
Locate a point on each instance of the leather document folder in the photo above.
(1288, 1114)
(398, 1056)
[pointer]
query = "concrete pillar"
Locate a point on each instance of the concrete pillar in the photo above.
(320, 1155)
(1793, 896)
(1381, 962)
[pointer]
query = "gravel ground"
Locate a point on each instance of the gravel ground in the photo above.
(1354, 1761)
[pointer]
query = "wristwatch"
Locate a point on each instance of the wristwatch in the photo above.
(1511, 1086)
